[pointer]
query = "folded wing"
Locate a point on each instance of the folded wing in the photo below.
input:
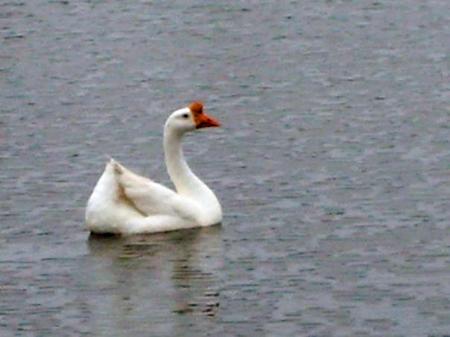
(149, 197)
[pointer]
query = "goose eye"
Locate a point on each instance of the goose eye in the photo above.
(185, 115)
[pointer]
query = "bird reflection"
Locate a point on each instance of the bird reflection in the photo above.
(195, 275)
(156, 278)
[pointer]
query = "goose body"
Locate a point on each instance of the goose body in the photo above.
(124, 202)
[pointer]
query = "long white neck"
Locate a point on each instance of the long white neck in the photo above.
(185, 181)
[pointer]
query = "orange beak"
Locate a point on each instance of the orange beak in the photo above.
(204, 121)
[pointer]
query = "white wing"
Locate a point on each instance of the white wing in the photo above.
(151, 198)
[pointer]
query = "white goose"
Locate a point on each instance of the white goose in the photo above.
(125, 203)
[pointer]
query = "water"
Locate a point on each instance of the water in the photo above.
(333, 167)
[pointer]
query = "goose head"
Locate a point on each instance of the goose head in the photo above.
(189, 119)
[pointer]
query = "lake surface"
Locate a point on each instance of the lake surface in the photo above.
(332, 166)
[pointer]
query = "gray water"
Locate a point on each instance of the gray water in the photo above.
(332, 166)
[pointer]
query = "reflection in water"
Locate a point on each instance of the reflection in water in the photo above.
(159, 279)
